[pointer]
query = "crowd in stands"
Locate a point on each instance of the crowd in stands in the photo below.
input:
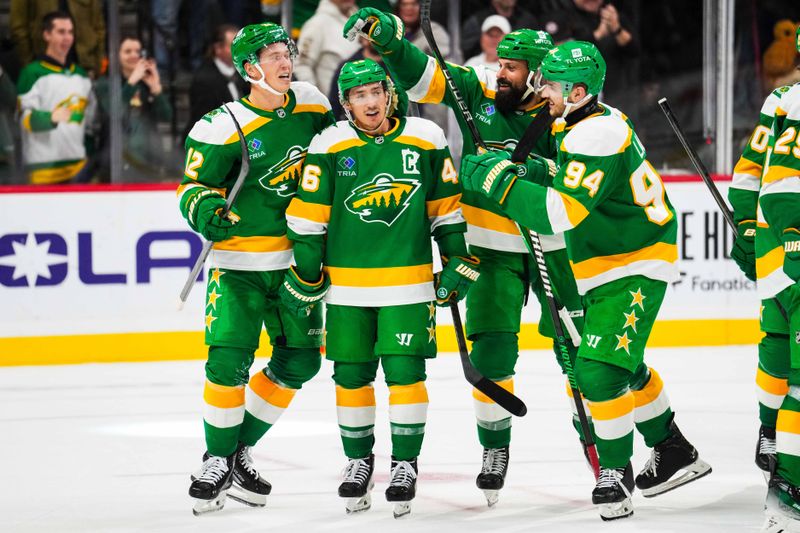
(175, 65)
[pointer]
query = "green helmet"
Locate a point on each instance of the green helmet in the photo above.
(575, 62)
(527, 45)
(250, 39)
(358, 73)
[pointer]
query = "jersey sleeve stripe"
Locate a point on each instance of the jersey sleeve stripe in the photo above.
(415, 141)
(746, 182)
(310, 108)
(627, 142)
(596, 266)
(380, 277)
(254, 244)
(344, 145)
(488, 220)
(247, 129)
(443, 206)
(430, 87)
(786, 185)
(310, 211)
(777, 173)
(563, 211)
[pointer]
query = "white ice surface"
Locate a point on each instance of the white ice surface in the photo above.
(110, 448)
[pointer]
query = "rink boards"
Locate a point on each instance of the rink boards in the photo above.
(93, 274)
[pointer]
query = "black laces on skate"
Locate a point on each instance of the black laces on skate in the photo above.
(494, 461)
(356, 471)
(214, 469)
(610, 477)
(403, 475)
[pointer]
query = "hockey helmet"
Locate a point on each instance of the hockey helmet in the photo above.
(251, 39)
(575, 62)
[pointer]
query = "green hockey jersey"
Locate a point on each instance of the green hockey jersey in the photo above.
(420, 75)
(277, 142)
(378, 199)
(744, 197)
(610, 201)
(779, 199)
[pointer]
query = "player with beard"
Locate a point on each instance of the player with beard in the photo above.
(504, 104)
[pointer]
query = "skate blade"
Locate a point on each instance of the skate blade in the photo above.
(780, 524)
(202, 507)
(690, 473)
(358, 505)
(247, 497)
(402, 509)
(616, 510)
(491, 497)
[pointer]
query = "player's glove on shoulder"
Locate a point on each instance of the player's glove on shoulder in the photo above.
(791, 250)
(209, 221)
(744, 248)
(455, 279)
(300, 296)
(491, 174)
(384, 30)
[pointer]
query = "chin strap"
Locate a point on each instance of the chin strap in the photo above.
(372, 131)
(532, 88)
(570, 106)
(263, 82)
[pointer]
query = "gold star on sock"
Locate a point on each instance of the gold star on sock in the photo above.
(209, 319)
(432, 311)
(623, 342)
(213, 297)
(215, 275)
(638, 298)
(630, 320)
(431, 333)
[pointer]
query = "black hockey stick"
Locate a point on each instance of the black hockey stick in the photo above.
(234, 192)
(531, 239)
(498, 394)
(704, 174)
(540, 124)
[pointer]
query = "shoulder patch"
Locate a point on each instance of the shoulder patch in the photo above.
(598, 136)
(790, 102)
(216, 127)
(486, 77)
(772, 100)
(335, 138)
(308, 95)
(423, 133)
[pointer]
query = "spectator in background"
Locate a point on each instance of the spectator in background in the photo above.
(165, 33)
(492, 31)
(321, 47)
(144, 105)
(780, 57)
(603, 25)
(25, 19)
(8, 103)
(518, 17)
(55, 102)
(216, 81)
(365, 52)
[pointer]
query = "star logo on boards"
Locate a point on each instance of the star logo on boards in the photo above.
(213, 297)
(638, 298)
(630, 320)
(623, 342)
(33, 259)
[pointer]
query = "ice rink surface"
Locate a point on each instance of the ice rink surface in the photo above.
(110, 448)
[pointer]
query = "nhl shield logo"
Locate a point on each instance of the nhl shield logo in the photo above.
(797, 337)
(280, 112)
(383, 199)
(281, 177)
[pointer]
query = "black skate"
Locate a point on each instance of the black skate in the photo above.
(668, 458)
(211, 483)
(402, 486)
(766, 450)
(782, 507)
(357, 483)
(248, 487)
(493, 473)
(612, 493)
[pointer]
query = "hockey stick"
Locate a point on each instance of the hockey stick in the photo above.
(540, 124)
(531, 239)
(498, 394)
(706, 177)
(234, 192)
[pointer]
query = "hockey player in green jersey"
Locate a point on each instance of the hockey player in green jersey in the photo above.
(604, 182)
(773, 349)
(503, 104)
(250, 255)
(374, 189)
(778, 267)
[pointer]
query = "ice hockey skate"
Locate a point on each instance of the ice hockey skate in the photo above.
(248, 487)
(766, 450)
(673, 462)
(493, 473)
(782, 507)
(402, 486)
(210, 484)
(357, 483)
(612, 493)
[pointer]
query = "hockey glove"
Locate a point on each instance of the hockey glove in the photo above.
(791, 250)
(384, 30)
(538, 170)
(491, 174)
(209, 221)
(743, 250)
(455, 279)
(298, 295)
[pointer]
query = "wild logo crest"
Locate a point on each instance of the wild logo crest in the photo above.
(281, 176)
(384, 199)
